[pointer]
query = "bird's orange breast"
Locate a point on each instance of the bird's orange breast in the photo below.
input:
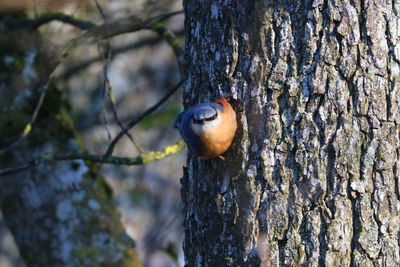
(216, 140)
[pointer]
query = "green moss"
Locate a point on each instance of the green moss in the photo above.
(96, 225)
(87, 256)
(102, 193)
(172, 251)
(12, 123)
(64, 121)
(53, 120)
(55, 115)
(54, 102)
(130, 259)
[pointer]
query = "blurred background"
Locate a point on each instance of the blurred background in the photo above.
(142, 69)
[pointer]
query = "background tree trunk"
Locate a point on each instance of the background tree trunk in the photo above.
(313, 175)
(58, 213)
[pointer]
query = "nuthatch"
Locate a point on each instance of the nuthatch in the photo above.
(208, 129)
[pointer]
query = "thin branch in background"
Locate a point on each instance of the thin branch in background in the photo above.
(104, 89)
(133, 122)
(143, 158)
(31, 24)
(107, 86)
(74, 69)
(116, 118)
(126, 25)
(105, 123)
(103, 15)
(48, 17)
(105, 60)
(173, 42)
(108, 94)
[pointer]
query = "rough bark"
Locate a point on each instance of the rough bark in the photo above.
(58, 213)
(313, 175)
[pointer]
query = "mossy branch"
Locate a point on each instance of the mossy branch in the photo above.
(58, 16)
(144, 158)
(30, 24)
(135, 121)
(103, 31)
(126, 25)
(151, 41)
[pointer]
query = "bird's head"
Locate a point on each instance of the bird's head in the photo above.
(207, 128)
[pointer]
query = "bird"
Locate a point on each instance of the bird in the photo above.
(208, 128)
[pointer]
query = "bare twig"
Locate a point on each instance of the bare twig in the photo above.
(126, 25)
(12, 24)
(107, 86)
(133, 122)
(107, 90)
(116, 118)
(143, 158)
(117, 50)
(103, 15)
(47, 17)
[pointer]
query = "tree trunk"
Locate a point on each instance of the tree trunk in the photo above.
(57, 212)
(313, 175)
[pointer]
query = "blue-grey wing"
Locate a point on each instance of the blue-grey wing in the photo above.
(192, 140)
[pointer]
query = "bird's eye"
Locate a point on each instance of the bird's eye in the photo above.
(202, 120)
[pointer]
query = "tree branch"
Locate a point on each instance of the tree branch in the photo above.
(48, 17)
(129, 24)
(133, 122)
(13, 23)
(107, 86)
(144, 158)
(151, 41)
